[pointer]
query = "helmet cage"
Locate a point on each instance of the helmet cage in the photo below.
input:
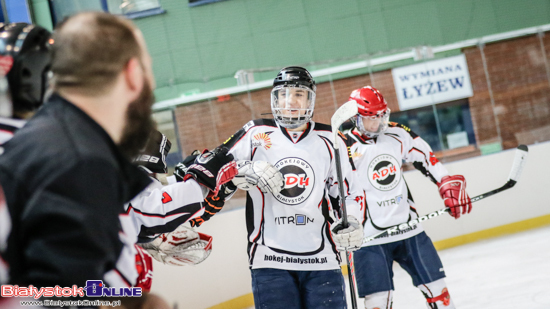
(382, 116)
(292, 105)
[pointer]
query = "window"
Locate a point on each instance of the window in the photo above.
(129, 8)
(201, 2)
(63, 8)
(134, 8)
(447, 126)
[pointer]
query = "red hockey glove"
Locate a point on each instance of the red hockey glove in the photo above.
(144, 267)
(453, 192)
(212, 169)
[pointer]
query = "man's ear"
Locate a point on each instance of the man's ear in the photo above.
(133, 73)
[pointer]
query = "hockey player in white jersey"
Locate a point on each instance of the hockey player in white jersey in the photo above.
(378, 148)
(292, 255)
(156, 216)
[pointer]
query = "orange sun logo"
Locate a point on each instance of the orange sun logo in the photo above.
(263, 140)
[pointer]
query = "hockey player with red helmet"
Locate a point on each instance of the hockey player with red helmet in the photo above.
(292, 252)
(378, 148)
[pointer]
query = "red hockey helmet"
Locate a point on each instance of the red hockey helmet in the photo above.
(373, 116)
(370, 101)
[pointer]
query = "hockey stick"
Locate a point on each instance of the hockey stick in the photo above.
(517, 167)
(342, 114)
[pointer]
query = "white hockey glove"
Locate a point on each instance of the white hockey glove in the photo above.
(258, 173)
(350, 238)
(183, 246)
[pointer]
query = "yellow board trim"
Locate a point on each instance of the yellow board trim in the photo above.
(240, 302)
(247, 300)
(493, 232)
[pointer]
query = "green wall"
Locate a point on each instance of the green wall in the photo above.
(198, 49)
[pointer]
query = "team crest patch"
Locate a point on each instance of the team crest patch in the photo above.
(299, 181)
(262, 140)
(384, 172)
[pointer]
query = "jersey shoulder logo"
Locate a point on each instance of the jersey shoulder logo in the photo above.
(384, 172)
(262, 140)
(248, 125)
(166, 198)
(299, 181)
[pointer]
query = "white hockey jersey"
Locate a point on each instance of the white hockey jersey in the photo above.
(379, 170)
(157, 209)
(161, 209)
(291, 229)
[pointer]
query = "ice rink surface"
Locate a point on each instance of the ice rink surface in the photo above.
(507, 272)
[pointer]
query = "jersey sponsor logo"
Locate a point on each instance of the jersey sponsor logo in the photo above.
(262, 140)
(299, 181)
(295, 220)
(354, 155)
(295, 260)
(384, 172)
(390, 202)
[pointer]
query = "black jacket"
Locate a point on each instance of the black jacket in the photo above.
(65, 183)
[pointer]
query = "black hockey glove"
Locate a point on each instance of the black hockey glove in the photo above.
(214, 204)
(181, 168)
(152, 158)
(212, 169)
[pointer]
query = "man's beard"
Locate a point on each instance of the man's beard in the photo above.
(139, 123)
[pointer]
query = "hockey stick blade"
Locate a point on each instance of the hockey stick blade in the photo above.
(517, 167)
(342, 114)
(519, 161)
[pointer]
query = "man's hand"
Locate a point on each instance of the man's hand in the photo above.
(350, 238)
(258, 173)
(453, 192)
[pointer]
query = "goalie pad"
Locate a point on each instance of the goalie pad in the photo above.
(183, 246)
(144, 267)
(259, 174)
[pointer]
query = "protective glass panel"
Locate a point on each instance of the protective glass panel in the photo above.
(452, 128)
